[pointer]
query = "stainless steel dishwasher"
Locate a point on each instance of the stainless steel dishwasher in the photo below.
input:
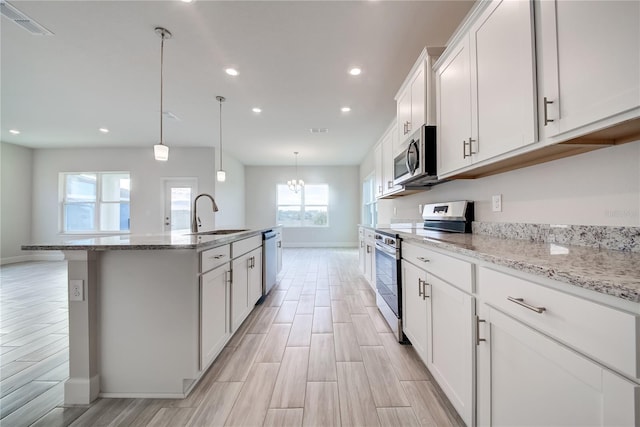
(269, 261)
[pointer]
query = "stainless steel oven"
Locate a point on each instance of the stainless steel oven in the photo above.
(388, 281)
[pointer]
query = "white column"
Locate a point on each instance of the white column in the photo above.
(83, 384)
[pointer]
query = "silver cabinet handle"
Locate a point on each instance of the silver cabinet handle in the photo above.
(547, 120)
(368, 249)
(423, 284)
(389, 185)
(423, 259)
(420, 287)
(227, 276)
(280, 244)
(478, 339)
(466, 143)
(217, 256)
(520, 301)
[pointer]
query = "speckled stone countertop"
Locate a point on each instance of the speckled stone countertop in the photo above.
(174, 240)
(615, 273)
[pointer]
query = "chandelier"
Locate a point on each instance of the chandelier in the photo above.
(296, 184)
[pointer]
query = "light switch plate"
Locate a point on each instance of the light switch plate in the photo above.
(76, 290)
(496, 203)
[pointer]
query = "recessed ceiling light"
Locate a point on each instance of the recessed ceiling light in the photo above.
(345, 109)
(14, 131)
(256, 110)
(231, 71)
(355, 71)
(104, 130)
(187, 1)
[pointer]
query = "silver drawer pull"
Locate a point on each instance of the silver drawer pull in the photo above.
(520, 301)
(217, 256)
(423, 259)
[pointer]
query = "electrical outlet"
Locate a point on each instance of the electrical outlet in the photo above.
(496, 203)
(420, 209)
(76, 290)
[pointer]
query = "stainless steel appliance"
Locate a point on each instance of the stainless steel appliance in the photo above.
(388, 280)
(269, 261)
(449, 216)
(416, 163)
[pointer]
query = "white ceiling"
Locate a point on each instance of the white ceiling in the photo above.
(101, 68)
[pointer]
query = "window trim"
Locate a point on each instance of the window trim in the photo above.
(302, 207)
(62, 181)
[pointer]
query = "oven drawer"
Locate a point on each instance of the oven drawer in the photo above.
(457, 272)
(604, 333)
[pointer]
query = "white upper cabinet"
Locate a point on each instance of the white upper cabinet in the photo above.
(415, 101)
(453, 94)
(590, 63)
(377, 155)
(503, 95)
(485, 88)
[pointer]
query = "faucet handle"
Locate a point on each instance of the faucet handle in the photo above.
(199, 222)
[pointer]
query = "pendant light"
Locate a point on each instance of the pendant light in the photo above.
(161, 151)
(296, 184)
(221, 174)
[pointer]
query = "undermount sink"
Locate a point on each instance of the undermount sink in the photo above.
(214, 232)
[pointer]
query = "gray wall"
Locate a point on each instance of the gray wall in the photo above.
(230, 195)
(597, 188)
(15, 201)
(344, 203)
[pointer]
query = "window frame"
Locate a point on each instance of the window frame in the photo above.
(302, 206)
(98, 203)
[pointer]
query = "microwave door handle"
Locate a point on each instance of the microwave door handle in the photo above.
(412, 165)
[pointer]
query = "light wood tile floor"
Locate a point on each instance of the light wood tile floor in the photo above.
(315, 353)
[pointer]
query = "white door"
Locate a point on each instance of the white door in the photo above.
(178, 202)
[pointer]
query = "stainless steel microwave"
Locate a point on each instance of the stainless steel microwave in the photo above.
(416, 164)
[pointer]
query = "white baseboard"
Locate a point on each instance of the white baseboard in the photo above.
(320, 245)
(34, 256)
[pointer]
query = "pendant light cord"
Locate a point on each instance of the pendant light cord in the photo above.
(220, 134)
(161, 85)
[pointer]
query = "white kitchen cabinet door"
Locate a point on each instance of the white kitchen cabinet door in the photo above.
(450, 344)
(503, 96)
(590, 53)
(240, 308)
(453, 94)
(362, 251)
(403, 108)
(377, 154)
(254, 277)
(526, 379)
(418, 99)
(279, 251)
(214, 313)
(387, 162)
(414, 308)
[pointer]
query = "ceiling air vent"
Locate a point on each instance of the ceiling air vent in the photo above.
(318, 130)
(23, 20)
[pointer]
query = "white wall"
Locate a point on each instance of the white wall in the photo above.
(230, 195)
(344, 203)
(597, 188)
(146, 182)
(15, 201)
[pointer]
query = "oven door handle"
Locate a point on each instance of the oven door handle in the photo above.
(385, 250)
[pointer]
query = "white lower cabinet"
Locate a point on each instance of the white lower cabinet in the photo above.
(527, 379)
(438, 320)
(215, 301)
(246, 285)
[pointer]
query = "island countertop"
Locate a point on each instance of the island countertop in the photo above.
(610, 272)
(181, 239)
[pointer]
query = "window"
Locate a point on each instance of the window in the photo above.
(307, 208)
(369, 205)
(95, 202)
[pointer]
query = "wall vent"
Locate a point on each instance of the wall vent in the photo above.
(23, 20)
(318, 130)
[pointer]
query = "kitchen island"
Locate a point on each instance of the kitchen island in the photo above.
(148, 314)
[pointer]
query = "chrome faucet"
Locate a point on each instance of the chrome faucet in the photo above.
(195, 221)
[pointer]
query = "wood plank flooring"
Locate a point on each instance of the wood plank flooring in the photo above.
(316, 353)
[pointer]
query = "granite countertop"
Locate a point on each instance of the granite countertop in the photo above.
(173, 240)
(610, 272)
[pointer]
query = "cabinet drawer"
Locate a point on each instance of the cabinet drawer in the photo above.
(212, 258)
(245, 245)
(604, 333)
(455, 271)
